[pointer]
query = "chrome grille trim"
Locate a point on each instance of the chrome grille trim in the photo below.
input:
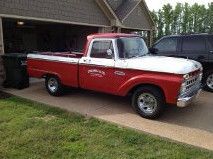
(193, 84)
(192, 81)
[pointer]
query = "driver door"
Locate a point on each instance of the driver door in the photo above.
(96, 70)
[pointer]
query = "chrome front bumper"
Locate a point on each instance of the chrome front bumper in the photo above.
(185, 101)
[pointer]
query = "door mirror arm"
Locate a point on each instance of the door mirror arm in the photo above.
(153, 51)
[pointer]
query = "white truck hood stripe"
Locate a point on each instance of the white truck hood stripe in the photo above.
(161, 64)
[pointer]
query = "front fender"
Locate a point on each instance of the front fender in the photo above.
(170, 85)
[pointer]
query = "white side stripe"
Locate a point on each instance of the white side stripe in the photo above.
(53, 58)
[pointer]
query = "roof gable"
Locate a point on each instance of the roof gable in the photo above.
(122, 7)
(131, 13)
(125, 8)
(114, 4)
(138, 17)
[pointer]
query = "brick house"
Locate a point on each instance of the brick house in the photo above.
(57, 25)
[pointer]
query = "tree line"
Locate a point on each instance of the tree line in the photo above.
(183, 19)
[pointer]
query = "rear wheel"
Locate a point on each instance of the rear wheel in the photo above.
(208, 81)
(148, 102)
(53, 86)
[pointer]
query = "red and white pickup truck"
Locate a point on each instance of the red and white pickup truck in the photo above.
(120, 64)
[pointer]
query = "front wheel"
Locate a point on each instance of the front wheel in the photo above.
(148, 101)
(53, 86)
(208, 81)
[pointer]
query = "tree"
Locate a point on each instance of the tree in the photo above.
(155, 19)
(160, 26)
(177, 16)
(167, 18)
(209, 19)
(183, 19)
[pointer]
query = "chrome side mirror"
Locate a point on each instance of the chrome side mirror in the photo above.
(109, 52)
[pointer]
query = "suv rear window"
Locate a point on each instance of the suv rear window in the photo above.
(194, 44)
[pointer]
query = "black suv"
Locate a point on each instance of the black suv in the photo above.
(198, 47)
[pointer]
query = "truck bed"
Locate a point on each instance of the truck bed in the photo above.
(62, 64)
(63, 54)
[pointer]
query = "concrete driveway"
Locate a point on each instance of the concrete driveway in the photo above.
(191, 125)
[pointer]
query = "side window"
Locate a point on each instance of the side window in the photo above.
(194, 44)
(169, 44)
(102, 49)
(210, 43)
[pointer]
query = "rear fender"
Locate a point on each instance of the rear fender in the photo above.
(41, 73)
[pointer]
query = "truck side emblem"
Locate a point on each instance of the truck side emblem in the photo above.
(119, 73)
(97, 73)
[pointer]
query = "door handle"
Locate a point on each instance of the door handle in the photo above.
(211, 51)
(87, 60)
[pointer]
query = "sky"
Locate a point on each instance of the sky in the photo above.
(157, 4)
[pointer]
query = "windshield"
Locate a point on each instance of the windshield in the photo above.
(131, 47)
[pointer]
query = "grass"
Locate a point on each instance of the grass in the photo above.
(32, 130)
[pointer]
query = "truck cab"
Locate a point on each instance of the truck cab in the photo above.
(106, 59)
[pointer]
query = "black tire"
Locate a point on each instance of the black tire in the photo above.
(156, 97)
(58, 91)
(206, 83)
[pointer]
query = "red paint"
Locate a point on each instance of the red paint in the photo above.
(89, 76)
(66, 72)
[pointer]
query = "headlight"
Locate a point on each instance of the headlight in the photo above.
(200, 76)
(186, 77)
(183, 88)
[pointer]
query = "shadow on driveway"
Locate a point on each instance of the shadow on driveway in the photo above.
(199, 115)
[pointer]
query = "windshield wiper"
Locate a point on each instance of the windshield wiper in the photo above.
(133, 56)
(136, 56)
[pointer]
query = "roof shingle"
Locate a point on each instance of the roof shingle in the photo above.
(122, 7)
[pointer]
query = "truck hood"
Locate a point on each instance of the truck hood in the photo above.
(163, 64)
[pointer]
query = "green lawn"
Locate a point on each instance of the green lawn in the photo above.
(32, 130)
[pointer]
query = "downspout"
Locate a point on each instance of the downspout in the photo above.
(2, 72)
(1, 38)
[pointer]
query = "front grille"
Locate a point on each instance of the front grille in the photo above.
(193, 81)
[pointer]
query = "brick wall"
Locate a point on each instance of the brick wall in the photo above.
(79, 11)
(105, 30)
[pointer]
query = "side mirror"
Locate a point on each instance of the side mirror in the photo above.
(153, 50)
(109, 52)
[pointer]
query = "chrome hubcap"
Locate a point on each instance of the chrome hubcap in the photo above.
(209, 81)
(147, 103)
(52, 84)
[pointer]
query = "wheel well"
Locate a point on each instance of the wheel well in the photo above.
(207, 67)
(49, 75)
(147, 85)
